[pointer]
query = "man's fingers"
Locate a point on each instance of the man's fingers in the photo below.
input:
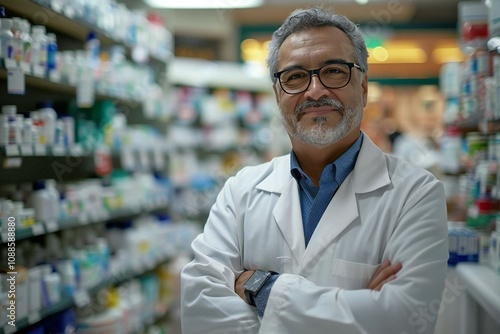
(385, 271)
(379, 287)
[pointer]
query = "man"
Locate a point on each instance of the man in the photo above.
(336, 237)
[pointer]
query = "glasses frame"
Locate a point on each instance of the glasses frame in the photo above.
(316, 71)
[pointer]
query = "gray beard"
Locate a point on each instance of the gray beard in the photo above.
(319, 135)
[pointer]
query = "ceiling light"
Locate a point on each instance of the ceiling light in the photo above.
(205, 4)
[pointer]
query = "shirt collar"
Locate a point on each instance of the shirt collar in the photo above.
(342, 166)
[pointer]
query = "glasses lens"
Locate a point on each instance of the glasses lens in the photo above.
(294, 81)
(335, 75)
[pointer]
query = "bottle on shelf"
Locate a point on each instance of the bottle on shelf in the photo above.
(17, 43)
(51, 51)
(39, 50)
(6, 37)
(49, 117)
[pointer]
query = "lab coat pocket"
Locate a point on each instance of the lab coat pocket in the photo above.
(352, 275)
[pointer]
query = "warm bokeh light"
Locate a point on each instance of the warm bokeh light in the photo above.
(380, 53)
(447, 54)
(253, 51)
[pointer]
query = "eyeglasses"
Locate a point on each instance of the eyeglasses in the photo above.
(332, 75)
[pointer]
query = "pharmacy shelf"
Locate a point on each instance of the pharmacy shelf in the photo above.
(73, 27)
(25, 163)
(63, 88)
(82, 297)
(41, 228)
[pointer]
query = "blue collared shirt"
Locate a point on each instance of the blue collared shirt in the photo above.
(331, 178)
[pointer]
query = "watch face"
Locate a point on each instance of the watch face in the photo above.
(256, 280)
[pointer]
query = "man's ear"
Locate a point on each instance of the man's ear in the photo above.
(364, 86)
(276, 93)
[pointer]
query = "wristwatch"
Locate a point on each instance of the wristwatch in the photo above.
(253, 285)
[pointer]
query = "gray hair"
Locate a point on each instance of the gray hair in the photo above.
(316, 17)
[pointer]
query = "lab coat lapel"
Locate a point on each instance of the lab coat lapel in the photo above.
(288, 216)
(286, 213)
(370, 173)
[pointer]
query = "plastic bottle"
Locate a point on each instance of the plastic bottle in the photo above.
(51, 51)
(92, 48)
(49, 118)
(27, 40)
(50, 185)
(17, 41)
(39, 47)
(4, 130)
(40, 200)
(10, 111)
(6, 37)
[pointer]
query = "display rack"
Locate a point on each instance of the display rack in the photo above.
(26, 163)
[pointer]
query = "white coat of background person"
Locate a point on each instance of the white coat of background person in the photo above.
(384, 209)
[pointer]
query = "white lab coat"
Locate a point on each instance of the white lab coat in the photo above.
(385, 209)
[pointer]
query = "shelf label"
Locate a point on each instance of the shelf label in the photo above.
(40, 150)
(59, 151)
(81, 298)
(11, 150)
(12, 163)
(37, 229)
(76, 151)
(15, 81)
(26, 150)
(51, 226)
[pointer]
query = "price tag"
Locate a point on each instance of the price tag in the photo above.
(40, 150)
(81, 298)
(76, 151)
(59, 151)
(12, 163)
(26, 150)
(15, 81)
(37, 229)
(51, 226)
(34, 317)
(11, 150)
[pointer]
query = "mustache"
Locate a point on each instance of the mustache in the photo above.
(323, 102)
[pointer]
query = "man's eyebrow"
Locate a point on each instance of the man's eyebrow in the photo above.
(326, 62)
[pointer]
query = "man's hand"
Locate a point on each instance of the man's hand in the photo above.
(384, 274)
(238, 285)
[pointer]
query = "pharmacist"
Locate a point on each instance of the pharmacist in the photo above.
(336, 237)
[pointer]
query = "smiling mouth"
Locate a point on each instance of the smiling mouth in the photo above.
(317, 112)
